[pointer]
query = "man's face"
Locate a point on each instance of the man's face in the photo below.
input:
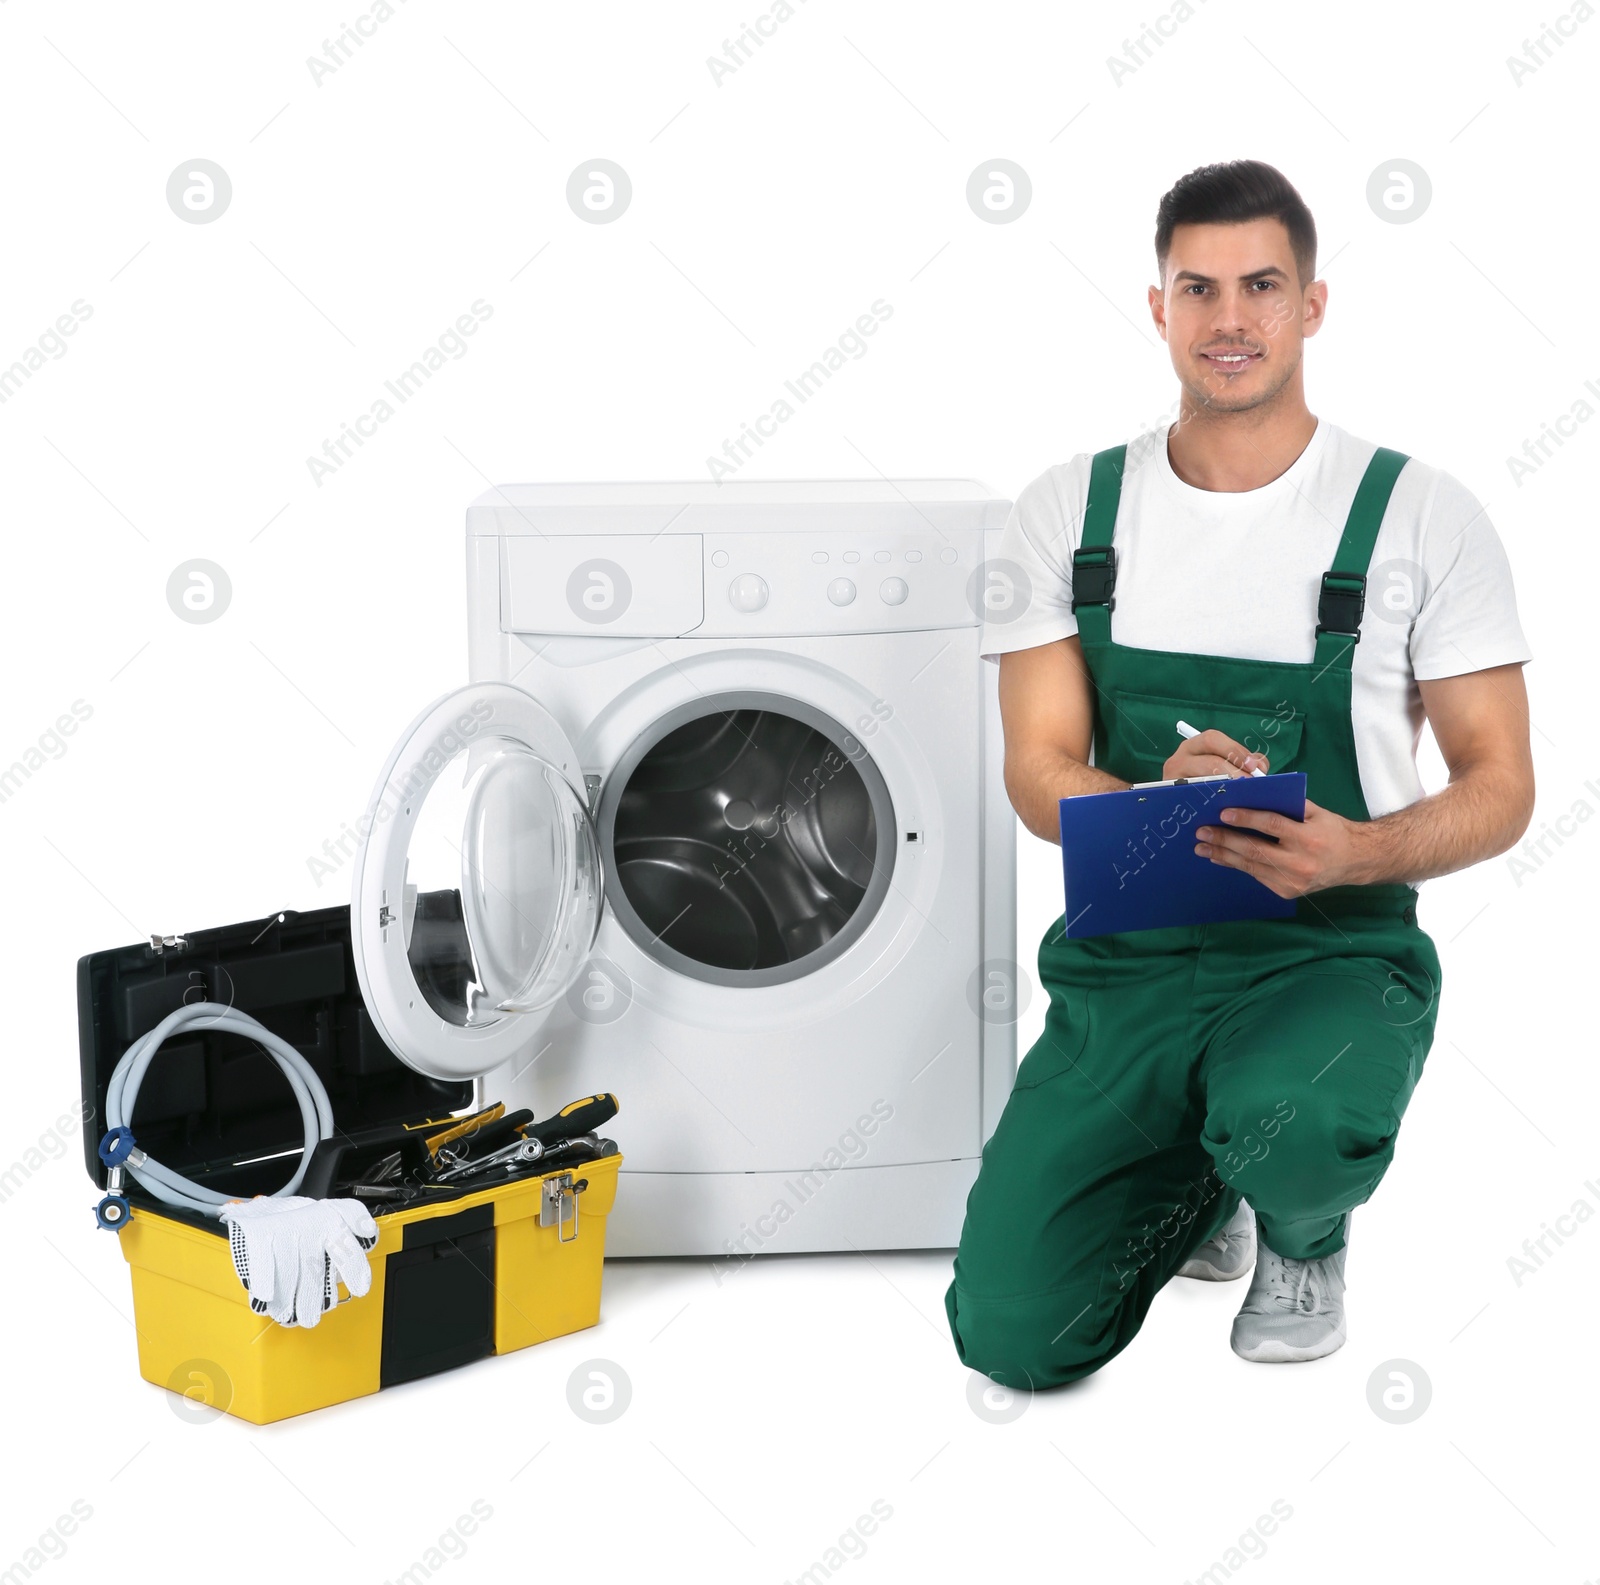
(1233, 313)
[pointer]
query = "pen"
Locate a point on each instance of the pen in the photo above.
(1185, 730)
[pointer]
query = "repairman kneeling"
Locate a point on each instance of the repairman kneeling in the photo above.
(1306, 599)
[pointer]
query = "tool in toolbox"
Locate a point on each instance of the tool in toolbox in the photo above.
(481, 1265)
(526, 1151)
(489, 1137)
(477, 1146)
(386, 1169)
(467, 1127)
(519, 1153)
(580, 1117)
(569, 1129)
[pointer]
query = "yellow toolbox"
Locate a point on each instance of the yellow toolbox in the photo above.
(468, 1273)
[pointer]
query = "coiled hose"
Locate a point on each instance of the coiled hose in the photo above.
(123, 1093)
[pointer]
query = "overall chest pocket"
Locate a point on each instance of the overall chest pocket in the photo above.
(1143, 731)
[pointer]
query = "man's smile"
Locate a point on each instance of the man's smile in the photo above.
(1230, 360)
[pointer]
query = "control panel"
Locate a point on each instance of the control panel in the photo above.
(736, 584)
(844, 582)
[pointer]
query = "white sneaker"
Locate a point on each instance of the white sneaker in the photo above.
(1227, 1255)
(1294, 1310)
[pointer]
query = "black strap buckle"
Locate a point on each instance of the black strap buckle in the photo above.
(1094, 576)
(1340, 607)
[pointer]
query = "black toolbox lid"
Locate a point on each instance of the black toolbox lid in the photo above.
(210, 1099)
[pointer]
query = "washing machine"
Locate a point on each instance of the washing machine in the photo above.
(718, 825)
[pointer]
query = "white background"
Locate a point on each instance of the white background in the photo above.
(368, 212)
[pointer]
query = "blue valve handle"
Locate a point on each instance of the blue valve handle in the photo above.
(117, 1146)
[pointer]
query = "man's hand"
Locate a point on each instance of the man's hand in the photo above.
(1480, 720)
(1324, 849)
(1212, 753)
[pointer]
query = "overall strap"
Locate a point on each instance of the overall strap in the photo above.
(1094, 562)
(1342, 601)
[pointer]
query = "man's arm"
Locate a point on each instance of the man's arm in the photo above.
(1480, 721)
(1047, 710)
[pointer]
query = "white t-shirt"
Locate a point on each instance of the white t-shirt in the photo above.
(1238, 573)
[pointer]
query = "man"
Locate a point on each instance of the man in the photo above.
(1306, 599)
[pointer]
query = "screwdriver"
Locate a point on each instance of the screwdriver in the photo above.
(579, 1117)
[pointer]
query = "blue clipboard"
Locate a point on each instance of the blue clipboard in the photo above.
(1129, 861)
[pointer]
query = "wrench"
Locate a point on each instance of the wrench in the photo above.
(509, 1156)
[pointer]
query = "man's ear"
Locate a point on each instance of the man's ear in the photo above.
(1158, 310)
(1316, 308)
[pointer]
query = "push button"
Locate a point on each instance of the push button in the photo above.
(893, 591)
(841, 591)
(747, 592)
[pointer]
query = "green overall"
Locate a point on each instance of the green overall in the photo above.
(1181, 1069)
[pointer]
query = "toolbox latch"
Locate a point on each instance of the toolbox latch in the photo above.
(558, 1204)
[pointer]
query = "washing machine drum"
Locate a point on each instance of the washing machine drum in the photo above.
(477, 892)
(748, 844)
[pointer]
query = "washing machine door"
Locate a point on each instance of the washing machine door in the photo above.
(478, 891)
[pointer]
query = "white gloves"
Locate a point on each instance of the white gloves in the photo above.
(291, 1253)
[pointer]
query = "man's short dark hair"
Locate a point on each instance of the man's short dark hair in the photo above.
(1231, 193)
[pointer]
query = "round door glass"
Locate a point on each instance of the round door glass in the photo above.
(750, 840)
(503, 889)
